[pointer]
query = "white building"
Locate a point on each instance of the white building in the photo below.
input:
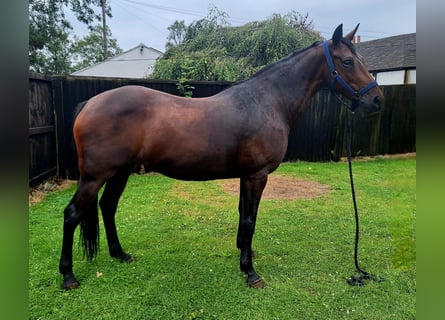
(391, 60)
(134, 63)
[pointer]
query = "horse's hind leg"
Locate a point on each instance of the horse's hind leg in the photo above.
(251, 189)
(81, 209)
(108, 204)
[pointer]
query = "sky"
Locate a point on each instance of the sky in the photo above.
(147, 21)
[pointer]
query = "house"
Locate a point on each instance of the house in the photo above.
(391, 60)
(137, 62)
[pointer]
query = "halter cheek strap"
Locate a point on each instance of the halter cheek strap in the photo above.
(336, 77)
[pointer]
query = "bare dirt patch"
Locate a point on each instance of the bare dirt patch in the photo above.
(282, 188)
(37, 193)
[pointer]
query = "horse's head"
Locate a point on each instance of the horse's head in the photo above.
(348, 75)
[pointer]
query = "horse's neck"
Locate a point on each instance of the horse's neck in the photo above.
(293, 83)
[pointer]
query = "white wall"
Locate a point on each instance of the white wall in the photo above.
(411, 76)
(396, 77)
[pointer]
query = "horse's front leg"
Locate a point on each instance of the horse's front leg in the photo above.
(251, 189)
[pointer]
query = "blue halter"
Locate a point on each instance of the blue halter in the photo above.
(337, 77)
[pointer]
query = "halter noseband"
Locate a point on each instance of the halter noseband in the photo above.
(337, 77)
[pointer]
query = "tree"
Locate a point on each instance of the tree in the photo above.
(49, 30)
(210, 49)
(177, 34)
(88, 50)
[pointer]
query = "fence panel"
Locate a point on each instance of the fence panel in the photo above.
(314, 134)
(401, 100)
(320, 133)
(42, 134)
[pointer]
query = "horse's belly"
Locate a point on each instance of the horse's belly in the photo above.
(205, 166)
(195, 167)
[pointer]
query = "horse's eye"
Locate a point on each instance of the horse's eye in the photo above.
(348, 63)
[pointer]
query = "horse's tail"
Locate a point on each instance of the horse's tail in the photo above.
(79, 108)
(72, 165)
(89, 219)
(89, 229)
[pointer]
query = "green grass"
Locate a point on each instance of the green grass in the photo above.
(187, 265)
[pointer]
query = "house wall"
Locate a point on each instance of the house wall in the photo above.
(387, 78)
(410, 76)
(390, 77)
(137, 63)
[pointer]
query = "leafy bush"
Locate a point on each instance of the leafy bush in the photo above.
(209, 49)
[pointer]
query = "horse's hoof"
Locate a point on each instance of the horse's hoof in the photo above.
(127, 258)
(69, 285)
(124, 257)
(69, 281)
(257, 283)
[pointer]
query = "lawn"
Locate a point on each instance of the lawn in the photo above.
(187, 265)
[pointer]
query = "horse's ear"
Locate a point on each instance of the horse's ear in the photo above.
(338, 34)
(351, 34)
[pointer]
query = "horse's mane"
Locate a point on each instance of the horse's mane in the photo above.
(282, 60)
(345, 41)
(285, 59)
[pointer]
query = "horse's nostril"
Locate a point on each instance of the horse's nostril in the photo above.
(377, 101)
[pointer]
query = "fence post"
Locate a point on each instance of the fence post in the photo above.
(57, 86)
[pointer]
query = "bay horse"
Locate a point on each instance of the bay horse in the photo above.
(241, 132)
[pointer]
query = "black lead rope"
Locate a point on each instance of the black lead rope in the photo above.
(356, 280)
(356, 96)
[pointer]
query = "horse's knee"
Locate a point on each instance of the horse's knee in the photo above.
(248, 225)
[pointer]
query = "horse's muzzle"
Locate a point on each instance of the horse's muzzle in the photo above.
(372, 103)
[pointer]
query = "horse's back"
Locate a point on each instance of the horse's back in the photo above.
(127, 98)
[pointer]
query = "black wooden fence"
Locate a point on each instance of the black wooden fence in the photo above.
(42, 130)
(318, 135)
